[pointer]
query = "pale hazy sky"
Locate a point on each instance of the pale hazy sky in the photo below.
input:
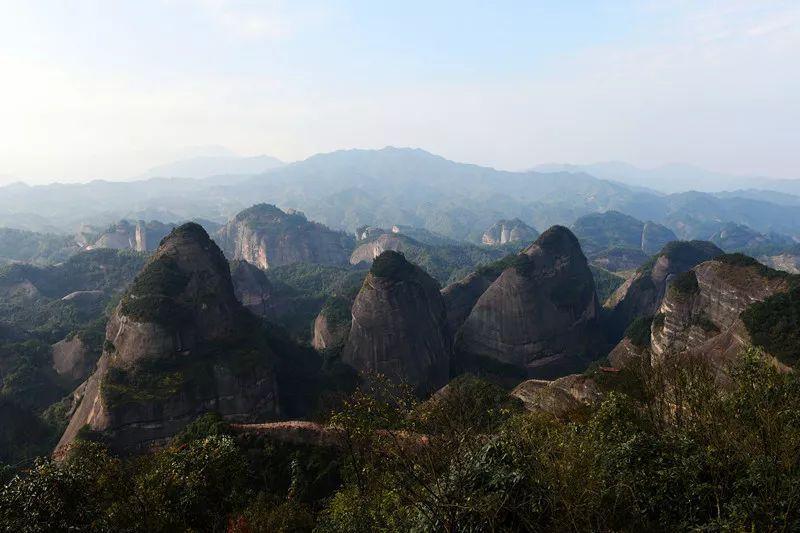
(107, 89)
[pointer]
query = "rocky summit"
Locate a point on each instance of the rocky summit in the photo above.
(178, 344)
(704, 310)
(506, 231)
(268, 237)
(641, 294)
(540, 317)
(125, 235)
(399, 325)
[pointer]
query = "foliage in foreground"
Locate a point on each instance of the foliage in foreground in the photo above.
(683, 453)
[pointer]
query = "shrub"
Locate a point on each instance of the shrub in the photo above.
(638, 332)
(774, 325)
(684, 284)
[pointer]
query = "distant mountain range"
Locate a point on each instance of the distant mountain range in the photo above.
(675, 177)
(208, 166)
(396, 186)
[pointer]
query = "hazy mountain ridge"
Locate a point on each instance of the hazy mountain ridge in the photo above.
(403, 186)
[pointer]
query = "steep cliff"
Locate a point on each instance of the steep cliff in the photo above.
(642, 294)
(701, 313)
(332, 324)
(540, 316)
(177, 345)
(268, 237)
(399, 325)
(368, 251)
(505, 231)
(251, 287)
(601, 231)
(140, 236)
(558, 397)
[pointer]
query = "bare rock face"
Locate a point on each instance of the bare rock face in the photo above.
(625, 352)
(71, 359)
(460, 297)
(178, 344)
(642, 294)
(505, 231)
(619, 259)
(268, 237)
(655, 237)
(368, 251)
(399, 326)
(251, 287)
(560, 396)
(787, 262)
(140, 236)
(700, 314)
(540, 315)
(332, 323)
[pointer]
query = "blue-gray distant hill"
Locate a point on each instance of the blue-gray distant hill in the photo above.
(208, 166)
(349, 189)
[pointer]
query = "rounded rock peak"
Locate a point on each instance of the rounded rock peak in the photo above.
(393, 265)
(188, 232)
(556, 240)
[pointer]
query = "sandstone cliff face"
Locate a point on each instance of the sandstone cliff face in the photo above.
(655, 237)
(251, 287)
(786, 262)
(268, 237)
(140, 236)
(71, 359)
(460, 297)
(505, 231)
(368, 251)
(178, 344)
(700, 314)
(399, 326)
(603, 231)
(642, 294)
(540, 315)
(558, 397)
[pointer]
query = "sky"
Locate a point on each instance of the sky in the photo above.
(109, 88)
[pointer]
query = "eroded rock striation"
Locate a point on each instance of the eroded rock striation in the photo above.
(505, 231)
(177, 345)
(701, 312)
(332, 324)
(541, 315)
(140, 236)
(642, 294)
(367, 251)
(251, 287)
(268, 237)
(399, 325)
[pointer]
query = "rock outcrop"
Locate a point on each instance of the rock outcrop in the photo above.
(619, 259)
(332, 324)
(368, 251)
(642, 294)
(558, 397)
(505, 231)
(125, 235)
(178, 344)
(733, 237)
(541, 315)
(788, 262)
(268, 237)
(399, 326)
(700, 314)
(251, 287)
(71, 359)
(655, 237)
(600, 231)
(460, 297)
